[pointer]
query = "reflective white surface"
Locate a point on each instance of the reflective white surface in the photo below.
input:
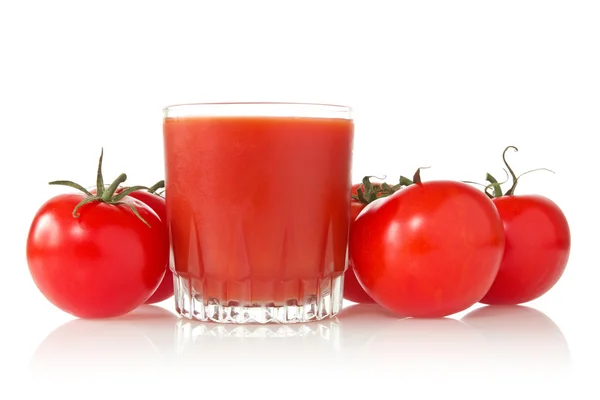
(364, 343)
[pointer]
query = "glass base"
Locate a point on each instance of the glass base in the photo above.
(325, 303)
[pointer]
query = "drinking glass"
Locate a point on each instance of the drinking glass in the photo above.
(258, 199)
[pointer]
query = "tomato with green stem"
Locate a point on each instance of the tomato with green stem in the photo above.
(362, 194)
(429, 250)
(97, 255)
(353, 291)
(156, 202)
(538, 243)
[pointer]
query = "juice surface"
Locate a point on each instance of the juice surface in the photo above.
(258, 207)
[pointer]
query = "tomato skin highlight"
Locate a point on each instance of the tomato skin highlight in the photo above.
(429, 250)
(538, 243)
(103, 264)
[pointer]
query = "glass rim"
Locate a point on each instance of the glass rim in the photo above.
(259, 108)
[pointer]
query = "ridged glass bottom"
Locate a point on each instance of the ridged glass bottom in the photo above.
(323, 300)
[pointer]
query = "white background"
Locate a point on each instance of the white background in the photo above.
(446, 84)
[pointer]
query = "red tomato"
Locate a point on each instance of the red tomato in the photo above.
(353, 291)
(157, 203)
(537, 249)
(97, 256)
(105, 263)
(538, 243)
(429, 250)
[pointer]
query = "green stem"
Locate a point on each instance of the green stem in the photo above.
(110, 191)
(106, 194)
(99, 178)
(497, 191)
(404, 181)
(72, 185)
(514, 177)
(135, 211)
(156, 186)
(493, 184)
(83, 202)
(535, 170)
(417, 176)
(368, 192)
(128, 191)
(368, 187)
(387, 188)
(361, 196)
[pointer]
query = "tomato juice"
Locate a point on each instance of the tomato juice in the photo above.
(258, 210)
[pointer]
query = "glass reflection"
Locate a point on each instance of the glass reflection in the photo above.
(363, 339)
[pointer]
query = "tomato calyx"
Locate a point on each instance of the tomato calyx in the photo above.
(368, 192)
(497, 186)
(104, 194)
(416, 180)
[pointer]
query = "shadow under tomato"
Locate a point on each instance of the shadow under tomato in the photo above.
(521, 338)
(138, 342)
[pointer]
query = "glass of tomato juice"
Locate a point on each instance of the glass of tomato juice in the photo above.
(258, 200)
